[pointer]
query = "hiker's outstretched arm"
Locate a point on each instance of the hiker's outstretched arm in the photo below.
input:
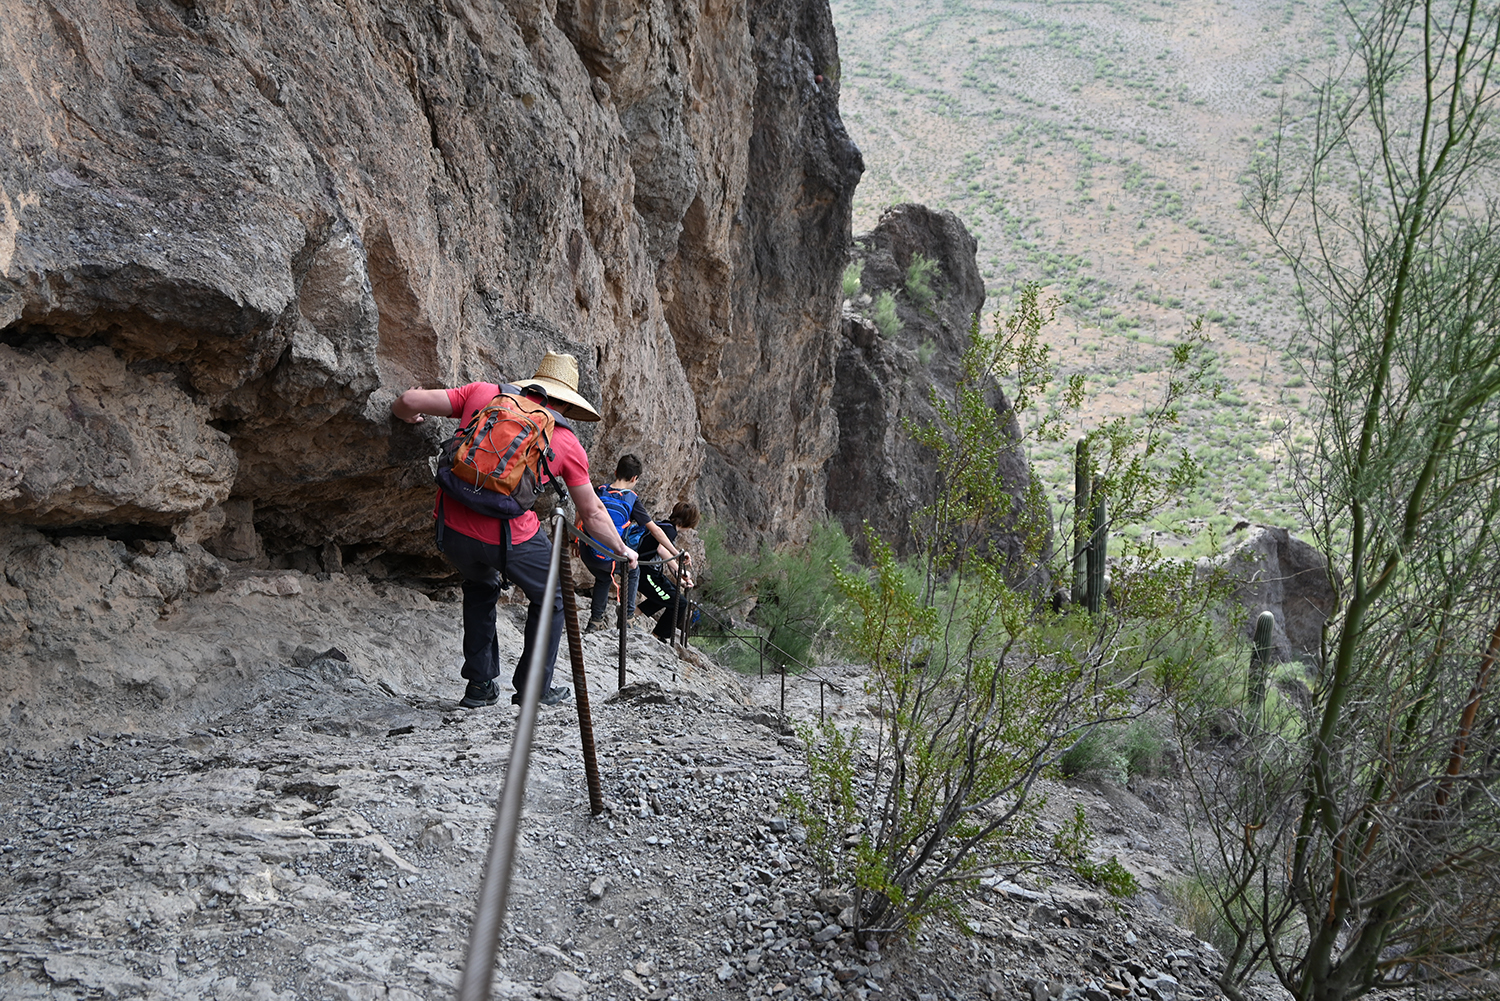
(598, 523)
(411, 405)
(678, 570)
(662, 542)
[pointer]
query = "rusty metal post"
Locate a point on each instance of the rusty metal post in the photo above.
(624, 583)
(681, 625)
(820, 700)
(581, 690)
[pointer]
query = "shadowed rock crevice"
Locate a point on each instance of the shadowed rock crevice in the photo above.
(764, 388)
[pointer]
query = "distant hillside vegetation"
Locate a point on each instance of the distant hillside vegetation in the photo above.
(1100, 148)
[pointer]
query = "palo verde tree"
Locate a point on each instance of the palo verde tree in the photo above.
(980, 687)
(1357, 846)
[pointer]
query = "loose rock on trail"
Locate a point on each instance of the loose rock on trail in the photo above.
(324, 839)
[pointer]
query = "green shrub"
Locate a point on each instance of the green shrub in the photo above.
(1119, 751)
(1092, 755)
(791, 593)
(852, 275)
(1197, 910)
(1073, 843)
(976, 690)
(919, 275)
(830, 814)
(884, 315)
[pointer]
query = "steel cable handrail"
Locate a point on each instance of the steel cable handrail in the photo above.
(494, 888)
(809, 671)
(605, 551)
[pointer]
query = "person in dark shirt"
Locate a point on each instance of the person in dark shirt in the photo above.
(635, 526)
(662, 586)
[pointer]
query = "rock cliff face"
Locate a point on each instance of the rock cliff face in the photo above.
(231, 232)
(879, 475)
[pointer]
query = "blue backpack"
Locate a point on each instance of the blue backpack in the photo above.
(619, 504)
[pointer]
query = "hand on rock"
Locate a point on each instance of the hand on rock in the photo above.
(405, 411)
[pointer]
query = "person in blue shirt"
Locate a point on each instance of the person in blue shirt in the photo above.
(634, 523)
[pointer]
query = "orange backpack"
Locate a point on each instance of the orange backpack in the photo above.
(496, 464)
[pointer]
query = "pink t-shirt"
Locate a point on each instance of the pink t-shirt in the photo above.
(570, 464)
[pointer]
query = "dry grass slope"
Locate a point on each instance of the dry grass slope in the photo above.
(1100, 148)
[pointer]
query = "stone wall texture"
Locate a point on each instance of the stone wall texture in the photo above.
(231, 232)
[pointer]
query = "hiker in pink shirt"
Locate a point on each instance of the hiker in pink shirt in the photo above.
(484, 548)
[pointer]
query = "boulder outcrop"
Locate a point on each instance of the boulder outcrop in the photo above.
(89, 438)
(879, 474)
(1271, 570)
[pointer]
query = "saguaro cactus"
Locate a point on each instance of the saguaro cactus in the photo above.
(1082, 508)
(1098, 553)
(1090, 534)
(1260, 663)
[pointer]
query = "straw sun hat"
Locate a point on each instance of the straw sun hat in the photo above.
(557, 376)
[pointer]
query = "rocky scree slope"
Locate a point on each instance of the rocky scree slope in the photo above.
(321, 836)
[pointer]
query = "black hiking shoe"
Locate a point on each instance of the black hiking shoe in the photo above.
(550, 697)
(480, 693)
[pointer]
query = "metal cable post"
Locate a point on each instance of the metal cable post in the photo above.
(494, 889)
(783, 690)
(624, 623)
